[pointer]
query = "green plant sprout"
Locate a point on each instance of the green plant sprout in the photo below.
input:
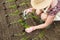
(23, 23)
(36, 38)
(35, 18)
(10, 0)
(14, 13)
(41, 34)
(24, 3)
(24, 38)
(21, 4)
(12, 6)
(22, 34)
(13, 22)
(19, 34)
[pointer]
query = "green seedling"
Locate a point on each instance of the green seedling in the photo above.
(18, 34)
(36, 38)
(42, 33)
(36, 19)
(23, 33)
(23, 3)
(20, 20)
(14, 13)
(10, 0)
(13, 22)
(24, 38)
(12, 6)
(23, 23)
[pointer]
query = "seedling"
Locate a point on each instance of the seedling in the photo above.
(36, 19)
(24, 38)
(12, 6)
(31, 15)
(41, 34)
(14, 13)
(18, 34)
(23, 3)
(10, 0)
(23, 23)
(13, 22)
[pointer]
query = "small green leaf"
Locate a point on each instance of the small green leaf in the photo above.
(18, 34)
(26, 26)
(13, 22)
(24, 38)
(14, 13)
(10, 0)
(21, 4)
(42, 33)
(20, 20)
(23, 23)
(12, 6)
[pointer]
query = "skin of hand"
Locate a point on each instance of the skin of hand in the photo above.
(29, 10)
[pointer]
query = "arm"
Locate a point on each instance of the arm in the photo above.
(49, 20)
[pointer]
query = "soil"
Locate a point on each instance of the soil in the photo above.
(16, 31)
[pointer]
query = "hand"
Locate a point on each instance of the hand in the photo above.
(30, 29)
(28, 10)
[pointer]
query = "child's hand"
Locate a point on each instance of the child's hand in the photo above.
(28, 10)
(30, 29)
